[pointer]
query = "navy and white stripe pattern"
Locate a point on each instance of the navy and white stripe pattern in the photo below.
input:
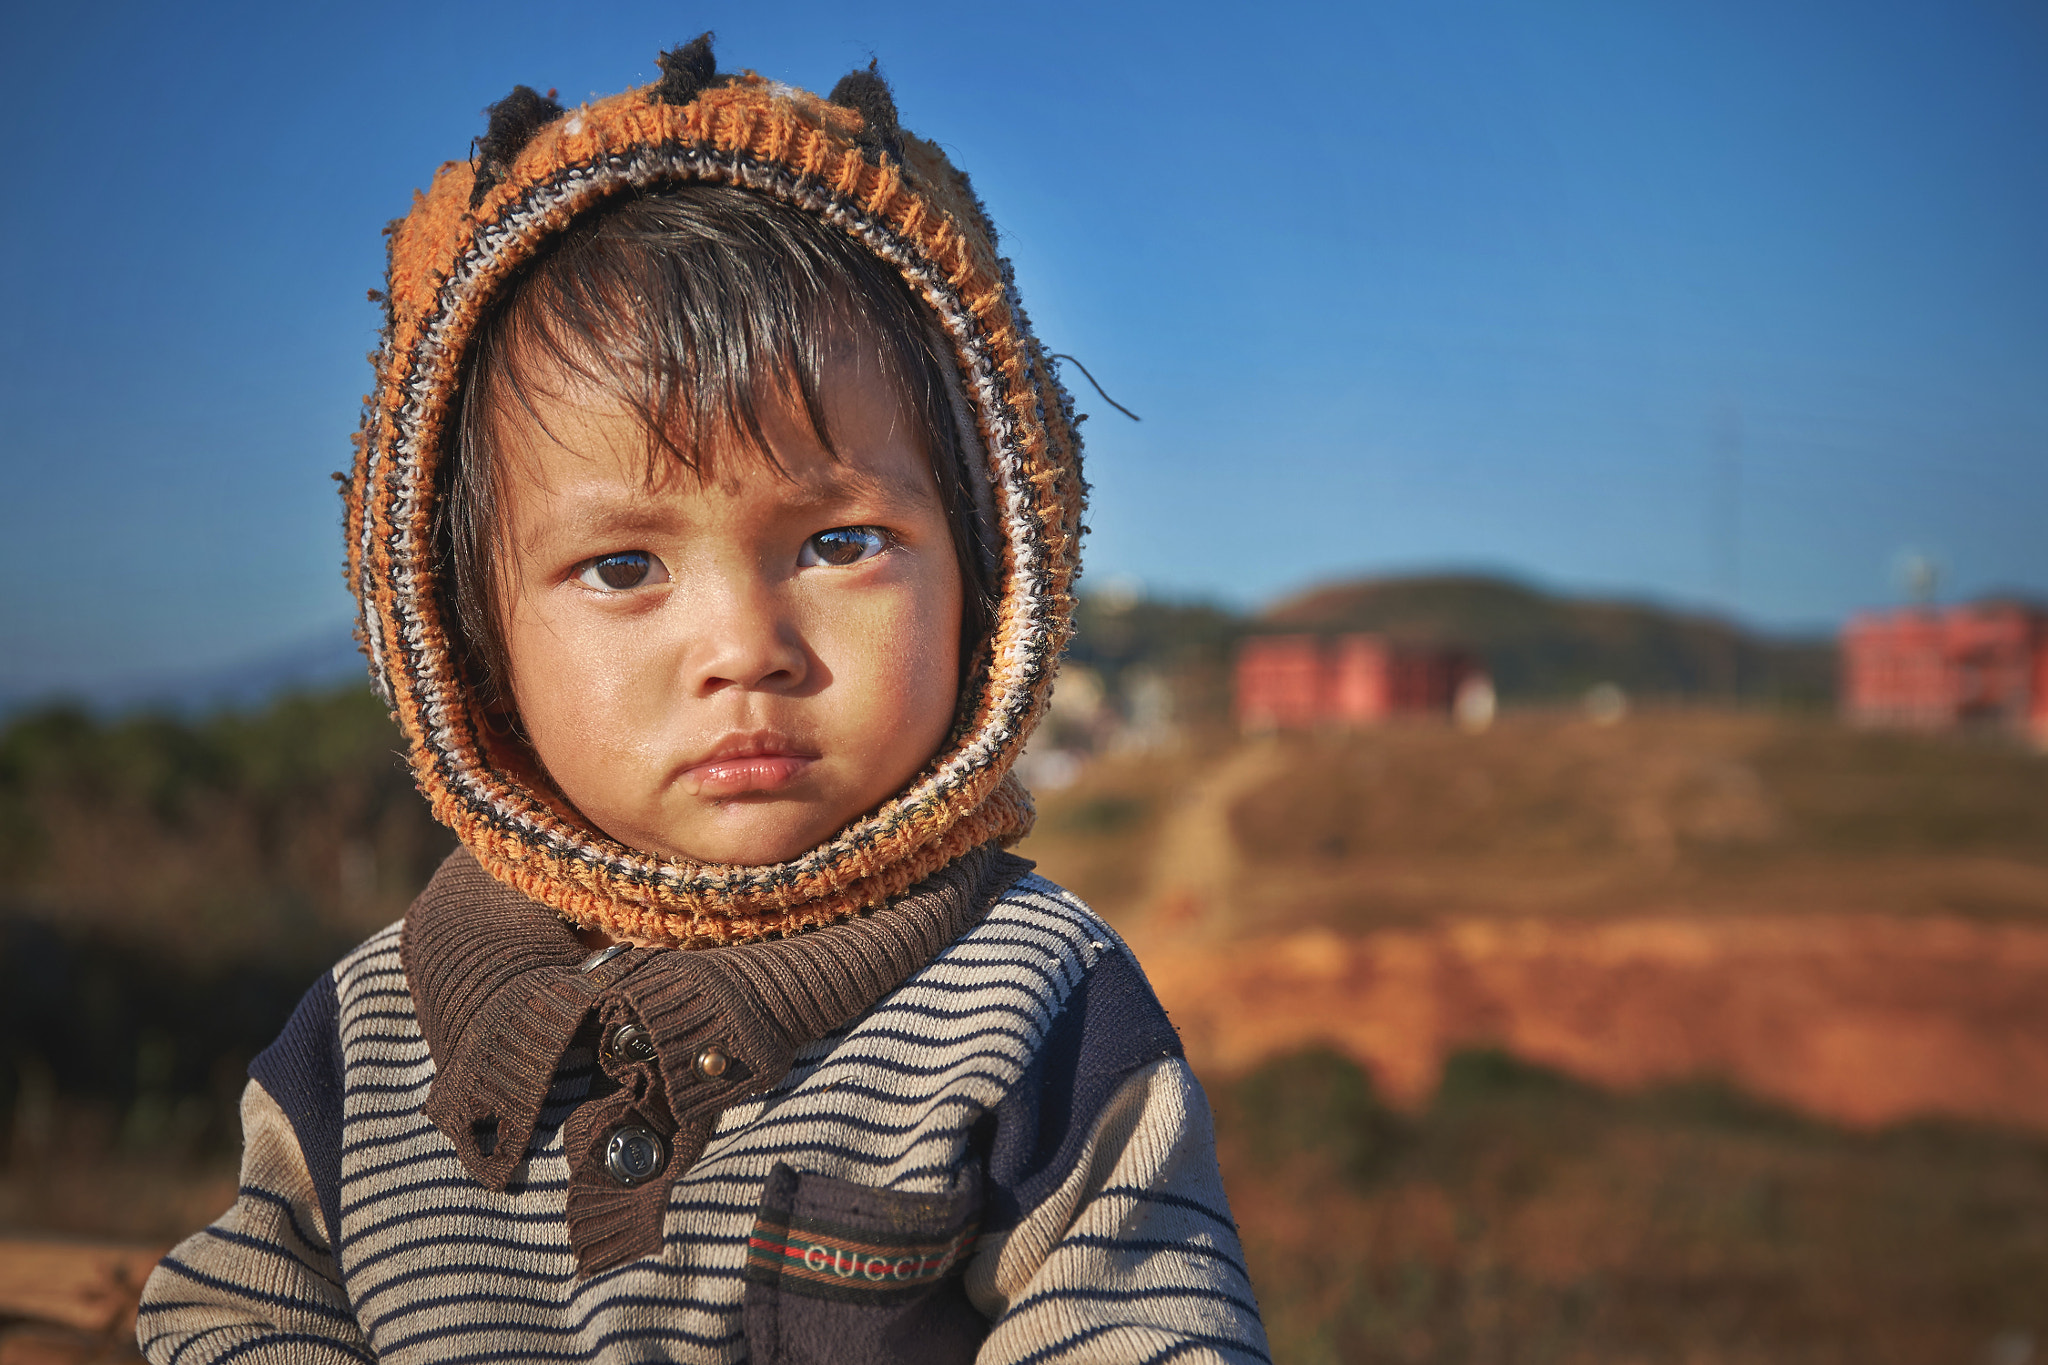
(1030, 1050)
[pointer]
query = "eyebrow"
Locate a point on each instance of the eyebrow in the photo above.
(583, 510)
(607, 511)
(841, 479)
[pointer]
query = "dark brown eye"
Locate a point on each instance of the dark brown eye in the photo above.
(616, 573)
(843, 545)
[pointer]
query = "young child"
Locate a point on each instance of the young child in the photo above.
(715, 521)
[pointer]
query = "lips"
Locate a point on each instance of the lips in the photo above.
(747, 764)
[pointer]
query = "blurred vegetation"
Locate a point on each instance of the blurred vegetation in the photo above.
(1190, 644)
(268, 835)
(122, 1074)
(1525, 1217)
(169, 886)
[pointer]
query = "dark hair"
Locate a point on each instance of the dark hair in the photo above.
(685, 303)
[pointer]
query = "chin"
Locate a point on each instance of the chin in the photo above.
(751, 847)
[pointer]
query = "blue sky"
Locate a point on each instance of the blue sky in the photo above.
(1726, 306)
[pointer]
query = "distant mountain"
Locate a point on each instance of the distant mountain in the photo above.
(320, 663)
(1542, 646)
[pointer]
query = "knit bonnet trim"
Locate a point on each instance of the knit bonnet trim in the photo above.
(464, 240)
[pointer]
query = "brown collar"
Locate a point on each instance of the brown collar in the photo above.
(502, 986)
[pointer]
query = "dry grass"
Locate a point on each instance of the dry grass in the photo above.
(1686, 812)
(1524, 1218)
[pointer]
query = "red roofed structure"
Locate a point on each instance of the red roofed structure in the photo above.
(1297, 682)
(1937, 668)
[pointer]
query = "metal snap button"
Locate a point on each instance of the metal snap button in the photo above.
(602, 956)
(634, 1156)
(713, 1061)
(630, 1043)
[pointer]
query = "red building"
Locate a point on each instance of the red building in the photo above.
(1294, 682)
(1934, 668)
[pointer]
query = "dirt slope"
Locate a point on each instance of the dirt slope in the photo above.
(1853, 925)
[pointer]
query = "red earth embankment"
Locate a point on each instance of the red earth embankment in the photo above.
(1860, 1020)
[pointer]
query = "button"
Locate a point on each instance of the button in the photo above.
(713, 1061)
(629, 1042)
(635, 1156)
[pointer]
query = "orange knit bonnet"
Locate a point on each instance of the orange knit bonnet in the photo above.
(846, 161)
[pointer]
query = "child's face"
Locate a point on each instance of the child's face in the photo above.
(729, 669)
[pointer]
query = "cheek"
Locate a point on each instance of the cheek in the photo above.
(934, 691)
(575, 692)
(906, 652)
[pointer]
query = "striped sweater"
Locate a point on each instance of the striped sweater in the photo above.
(1005, 1159)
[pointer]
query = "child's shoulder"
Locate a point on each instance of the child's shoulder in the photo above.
(1036, 904)
(1044, 958)
(367, 972)
(1047, 933)
(372, 964)
(1042, 1014)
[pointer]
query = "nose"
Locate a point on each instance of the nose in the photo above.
(746, 639)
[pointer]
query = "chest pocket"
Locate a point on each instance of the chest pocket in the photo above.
(843, 1273)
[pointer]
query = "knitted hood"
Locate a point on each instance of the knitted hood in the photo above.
(845, 160)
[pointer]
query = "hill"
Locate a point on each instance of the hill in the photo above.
(327, 661)
(1542, 646)
(1538, 646)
